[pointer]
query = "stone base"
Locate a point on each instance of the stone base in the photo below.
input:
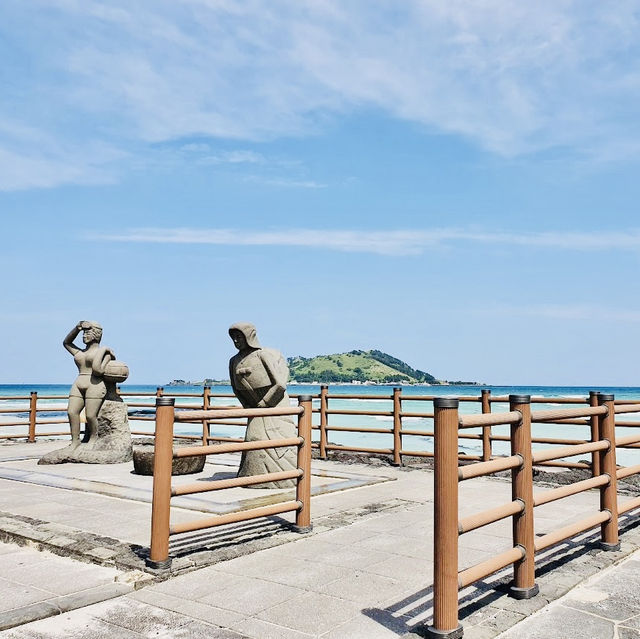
(143, 456)
(112, 446)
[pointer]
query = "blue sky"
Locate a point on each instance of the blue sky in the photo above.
(452, 183)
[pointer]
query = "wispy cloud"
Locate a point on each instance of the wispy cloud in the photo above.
(286, 182)
(233, 157)
(389, 242)
(513, 77)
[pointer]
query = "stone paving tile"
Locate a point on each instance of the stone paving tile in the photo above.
(202, 630)
(190, 609)
(134, 615)
(558, 622)
(311, 612)
(408, 570)
(63, 575)
(362, 587)
(249, 595)
(193, 585)
(632, 623)
(345, 556)
(14, 595)
(298, 573)
(258, 629)
(372, 624)
(397, 544)
(76, 626)
(615, 595)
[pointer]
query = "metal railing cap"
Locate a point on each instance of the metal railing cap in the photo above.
(165, 401)
(446, 402)
(607, 397)
(520, 399)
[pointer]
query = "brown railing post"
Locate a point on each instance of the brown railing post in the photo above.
(33, 414)
(397, 426)
(524, 586)
(162, 463)
(609, 492)
(595, 434)
(324, 391)
(486, 430)
(159, 391)
(303, 487)
(206, 404)
(445, 538)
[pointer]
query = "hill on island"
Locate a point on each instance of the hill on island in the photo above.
(361, 366)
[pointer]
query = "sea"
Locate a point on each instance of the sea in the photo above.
(377, 398)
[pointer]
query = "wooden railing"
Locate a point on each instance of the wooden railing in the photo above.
(328, 421)
(164, 453)
(448, 525)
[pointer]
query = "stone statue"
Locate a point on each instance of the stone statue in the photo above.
(107, 438)
(259, 380)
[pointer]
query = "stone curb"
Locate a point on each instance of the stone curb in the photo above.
(62, 604)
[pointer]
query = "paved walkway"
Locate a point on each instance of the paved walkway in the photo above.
(606, 606)
(365, 571)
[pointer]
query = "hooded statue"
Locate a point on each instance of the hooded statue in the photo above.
(259, 380)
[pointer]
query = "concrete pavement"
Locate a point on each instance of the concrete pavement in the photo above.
(365, 571)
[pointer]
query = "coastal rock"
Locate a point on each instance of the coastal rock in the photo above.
(111, 446)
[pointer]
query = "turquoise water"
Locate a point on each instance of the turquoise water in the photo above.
(368, 440)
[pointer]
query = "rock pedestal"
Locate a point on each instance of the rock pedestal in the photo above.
(143, 456)
(112, 445)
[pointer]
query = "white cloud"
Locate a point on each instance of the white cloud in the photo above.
(513, 77)
(234, 157)
(384, 242)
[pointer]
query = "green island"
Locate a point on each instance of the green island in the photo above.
(373, 366)
(361, 367)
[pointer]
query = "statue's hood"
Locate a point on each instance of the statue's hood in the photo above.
(249, 332)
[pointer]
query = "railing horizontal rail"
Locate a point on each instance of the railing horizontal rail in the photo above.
(627, 439)
(360, 449)
(359, 429)
(631, 408)
(232, 518)
(489, 516)
(569, 451)
(384, 413)
(352, 396)
(571, 489)
(626, 506)
(488, 467)
(621, 473)
(486, 568)
(236, 482)
(199, 415)
(219, 449)
(489, 419)
(571, 530)
(558, 413)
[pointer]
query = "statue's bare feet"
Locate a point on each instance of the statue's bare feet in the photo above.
(73, 445)
(91, 442)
